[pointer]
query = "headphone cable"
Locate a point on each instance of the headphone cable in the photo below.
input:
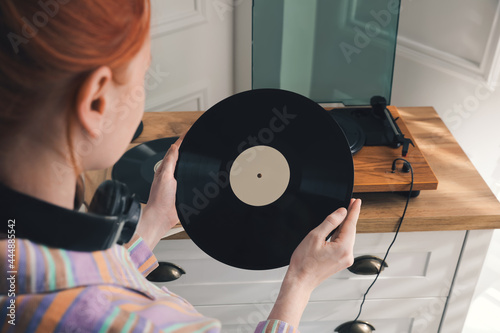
(393, 240)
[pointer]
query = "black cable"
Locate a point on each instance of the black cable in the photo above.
(393, 240)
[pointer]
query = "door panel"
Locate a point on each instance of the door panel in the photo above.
(192, 50)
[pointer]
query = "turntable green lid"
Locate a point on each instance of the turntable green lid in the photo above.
(332, 51)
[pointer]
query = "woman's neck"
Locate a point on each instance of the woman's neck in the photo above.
(32, 168)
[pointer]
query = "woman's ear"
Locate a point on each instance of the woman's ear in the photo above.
(92, 99)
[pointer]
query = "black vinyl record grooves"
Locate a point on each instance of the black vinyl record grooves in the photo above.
(353, 132)
(136, 168)
(257, 172)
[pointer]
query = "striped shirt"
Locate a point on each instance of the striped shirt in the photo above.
(55, 290)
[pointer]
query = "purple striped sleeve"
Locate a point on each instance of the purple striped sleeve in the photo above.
(141, 255)
(275, 326)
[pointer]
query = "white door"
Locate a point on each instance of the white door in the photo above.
(192, 49)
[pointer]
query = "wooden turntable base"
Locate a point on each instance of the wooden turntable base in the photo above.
(372, 166)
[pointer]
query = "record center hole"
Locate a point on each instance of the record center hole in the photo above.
(259, 175)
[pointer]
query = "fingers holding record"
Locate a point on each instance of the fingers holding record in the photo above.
(138, 169)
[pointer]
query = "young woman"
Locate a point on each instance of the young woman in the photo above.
(71, 96)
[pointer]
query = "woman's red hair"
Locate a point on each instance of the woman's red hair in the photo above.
(48, 47)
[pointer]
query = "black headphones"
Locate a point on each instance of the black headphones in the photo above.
(114, 213)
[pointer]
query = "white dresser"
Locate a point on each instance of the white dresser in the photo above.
(409, 296)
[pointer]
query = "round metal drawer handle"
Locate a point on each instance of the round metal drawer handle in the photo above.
(355, 327)
(165, 272)
(367, 265)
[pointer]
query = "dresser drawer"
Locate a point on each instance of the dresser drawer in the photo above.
(417, 315)
(420, 265)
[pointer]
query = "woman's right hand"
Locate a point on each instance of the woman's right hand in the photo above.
(316, 259)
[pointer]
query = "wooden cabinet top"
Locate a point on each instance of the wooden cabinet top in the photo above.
(462, 200)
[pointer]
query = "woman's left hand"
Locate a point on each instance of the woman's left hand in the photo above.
(160, 215)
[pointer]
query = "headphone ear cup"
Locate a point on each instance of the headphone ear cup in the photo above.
(113, 198)
(110, 199)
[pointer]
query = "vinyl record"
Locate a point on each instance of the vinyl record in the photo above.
(257, 172)
(353, 132)
(139, 131)
(137, 166)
